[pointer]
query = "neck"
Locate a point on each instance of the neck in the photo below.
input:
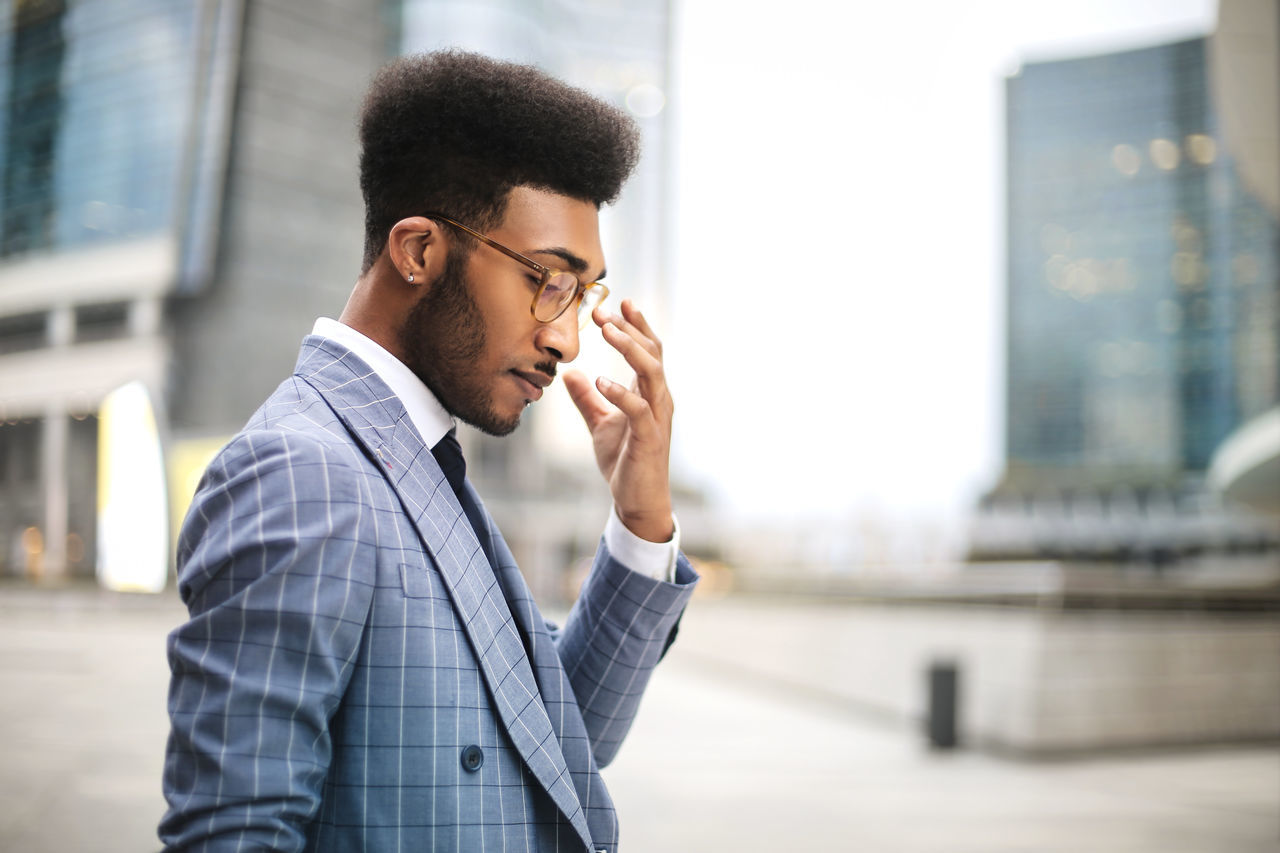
(374, 310)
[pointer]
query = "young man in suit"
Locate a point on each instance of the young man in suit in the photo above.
(364, 667)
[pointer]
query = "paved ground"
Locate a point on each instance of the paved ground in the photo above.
(716, 762)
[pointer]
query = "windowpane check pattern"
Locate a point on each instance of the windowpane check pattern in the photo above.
(355, 673)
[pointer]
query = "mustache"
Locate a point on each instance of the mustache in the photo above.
(547, 367)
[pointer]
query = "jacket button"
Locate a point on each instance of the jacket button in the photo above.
(472, 758)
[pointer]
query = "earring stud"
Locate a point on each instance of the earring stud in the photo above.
(411, 278)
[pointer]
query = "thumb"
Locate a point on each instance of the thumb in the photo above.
(591, 405)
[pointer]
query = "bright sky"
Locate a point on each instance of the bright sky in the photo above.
(838, 328)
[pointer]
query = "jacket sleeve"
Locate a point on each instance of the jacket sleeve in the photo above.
(273, 566)
(618, 630)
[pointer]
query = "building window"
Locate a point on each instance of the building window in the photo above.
(23, 332)
(32, 122)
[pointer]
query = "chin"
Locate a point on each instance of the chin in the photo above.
(476, 410)
(491, 423)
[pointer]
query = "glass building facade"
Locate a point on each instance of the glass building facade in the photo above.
(113, 123)
(1142, 276)
(108, 112)
(1143, 315)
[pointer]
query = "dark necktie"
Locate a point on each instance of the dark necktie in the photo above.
(448, 452)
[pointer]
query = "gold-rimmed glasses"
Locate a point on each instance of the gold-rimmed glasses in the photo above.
(557, 289)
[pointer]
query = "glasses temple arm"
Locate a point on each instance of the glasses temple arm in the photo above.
(510, 253)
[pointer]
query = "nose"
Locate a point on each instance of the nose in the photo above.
(559, 338)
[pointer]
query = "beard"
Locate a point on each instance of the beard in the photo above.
(443, 339)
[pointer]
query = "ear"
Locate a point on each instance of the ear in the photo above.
(417, 248)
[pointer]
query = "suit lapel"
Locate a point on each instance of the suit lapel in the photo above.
(553, 681)
(379, 422)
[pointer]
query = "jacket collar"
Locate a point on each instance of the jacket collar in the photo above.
(426, 412)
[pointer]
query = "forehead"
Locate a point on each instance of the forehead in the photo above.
(537, 219)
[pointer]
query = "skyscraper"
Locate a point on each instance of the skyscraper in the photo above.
(1143, 310)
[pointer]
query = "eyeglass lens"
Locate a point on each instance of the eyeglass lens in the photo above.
(559, 293)
(590, 299)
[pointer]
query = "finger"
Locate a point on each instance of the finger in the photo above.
(640, 323)
(648, 367)
(636, 318)
(654, 347)
(634, 406)
(590, 404)
(631, 346)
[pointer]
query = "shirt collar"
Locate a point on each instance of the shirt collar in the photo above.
(425, 411)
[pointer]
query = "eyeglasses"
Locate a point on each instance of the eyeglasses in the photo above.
(557, 289)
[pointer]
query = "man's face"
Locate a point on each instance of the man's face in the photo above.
(471, 337)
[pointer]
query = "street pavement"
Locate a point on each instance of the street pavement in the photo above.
(718, 760)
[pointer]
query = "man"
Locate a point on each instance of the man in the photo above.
(364, 668)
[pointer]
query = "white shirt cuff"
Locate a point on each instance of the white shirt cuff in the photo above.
(656, 560)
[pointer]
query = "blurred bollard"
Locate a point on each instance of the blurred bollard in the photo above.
(944, 687)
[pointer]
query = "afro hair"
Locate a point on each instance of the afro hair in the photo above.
(453, 133)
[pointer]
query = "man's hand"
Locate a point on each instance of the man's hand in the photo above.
(631, 427)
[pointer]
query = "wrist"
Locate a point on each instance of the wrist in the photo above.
(655, 525)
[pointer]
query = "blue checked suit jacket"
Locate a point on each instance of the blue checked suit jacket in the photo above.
(351, 656)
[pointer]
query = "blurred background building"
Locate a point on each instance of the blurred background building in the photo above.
(168, 166)
(179, 190)
(180, 202)
(1143, 304)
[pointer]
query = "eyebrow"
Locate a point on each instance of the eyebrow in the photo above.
(575, 263)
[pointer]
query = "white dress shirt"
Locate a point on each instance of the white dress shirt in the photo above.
(653, 559)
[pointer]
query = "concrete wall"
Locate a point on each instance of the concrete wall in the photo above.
(1031, 681)
(1107, 679)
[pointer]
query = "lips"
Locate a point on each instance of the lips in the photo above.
(531, 383)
